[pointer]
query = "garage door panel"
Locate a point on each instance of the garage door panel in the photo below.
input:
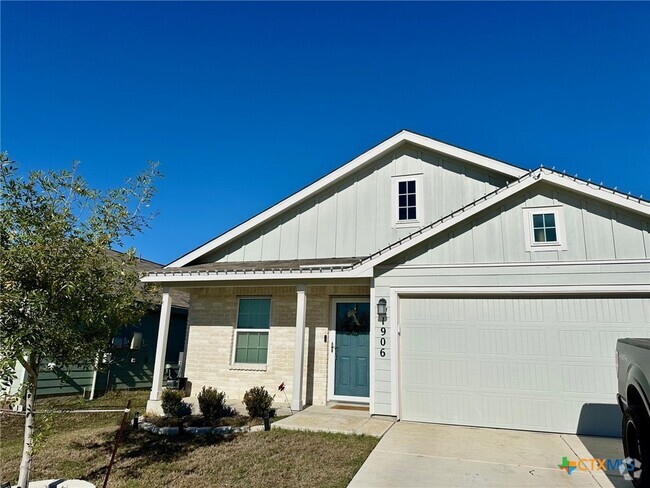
(537, 364)
(521, 376)
(513, 341)
(492, 410)
(452, 405)
(502, 411)
(588, 378)
(438, 373)
(507, 310)
(439, 309)
(439, 340)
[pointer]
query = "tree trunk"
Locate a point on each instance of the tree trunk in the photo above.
(28, 442)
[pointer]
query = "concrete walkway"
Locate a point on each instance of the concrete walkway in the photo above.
(329, 418)
(431, 455)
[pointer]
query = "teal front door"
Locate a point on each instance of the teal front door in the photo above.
(352, 350)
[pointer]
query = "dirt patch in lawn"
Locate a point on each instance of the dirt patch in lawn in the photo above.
(80, 448)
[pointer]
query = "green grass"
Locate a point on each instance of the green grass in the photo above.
(79, 446)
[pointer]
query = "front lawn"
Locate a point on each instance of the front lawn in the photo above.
(79, 446)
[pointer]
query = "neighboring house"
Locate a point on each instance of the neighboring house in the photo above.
(433, 284)
(130, 363)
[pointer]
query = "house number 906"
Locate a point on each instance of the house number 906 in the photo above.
(382, 342)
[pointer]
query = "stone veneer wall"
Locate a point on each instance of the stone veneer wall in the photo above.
(211, 322)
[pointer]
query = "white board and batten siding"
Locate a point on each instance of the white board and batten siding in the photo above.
(354, 218)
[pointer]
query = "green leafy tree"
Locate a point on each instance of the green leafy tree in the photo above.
(63, 295)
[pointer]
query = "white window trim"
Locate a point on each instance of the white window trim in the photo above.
(394, 200)
(250, 366)
(531, 245)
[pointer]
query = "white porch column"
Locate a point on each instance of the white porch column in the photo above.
(301, 317)
(161, 345)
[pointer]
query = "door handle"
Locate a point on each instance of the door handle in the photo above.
(331, 346)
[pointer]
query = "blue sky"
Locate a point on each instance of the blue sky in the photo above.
(245, 103)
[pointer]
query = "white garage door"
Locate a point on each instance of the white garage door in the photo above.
(522, 363)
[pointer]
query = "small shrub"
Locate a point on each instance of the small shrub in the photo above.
(229, 411)
(172, 403)
(212, 404)
(258, 401)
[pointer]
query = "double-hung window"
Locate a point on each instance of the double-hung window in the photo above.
(252, 331)
(406, 208)
(407, 197)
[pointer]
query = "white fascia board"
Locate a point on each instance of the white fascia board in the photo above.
(634, 204)
(465, 155)
(340, 173)
(624, 289)
(526, 264)
(207, 277)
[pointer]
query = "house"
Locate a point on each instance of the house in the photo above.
(429, 282)
(129, 361)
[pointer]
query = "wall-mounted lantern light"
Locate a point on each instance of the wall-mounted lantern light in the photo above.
(381, 310)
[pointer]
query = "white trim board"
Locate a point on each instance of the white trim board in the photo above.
(522, 264)
(367, 157)
(525, 290)
(252, 276)
(371, 345)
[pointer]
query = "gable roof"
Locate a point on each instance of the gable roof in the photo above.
(376, 152)
(364, 266)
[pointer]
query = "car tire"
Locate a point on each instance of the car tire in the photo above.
(636, 442)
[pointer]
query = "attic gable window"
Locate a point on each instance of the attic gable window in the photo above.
(407, 197)
(544, 227)
(406, 200)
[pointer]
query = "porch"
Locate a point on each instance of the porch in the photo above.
(300, 349)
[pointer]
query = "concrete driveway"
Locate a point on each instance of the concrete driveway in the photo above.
(423, 455)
